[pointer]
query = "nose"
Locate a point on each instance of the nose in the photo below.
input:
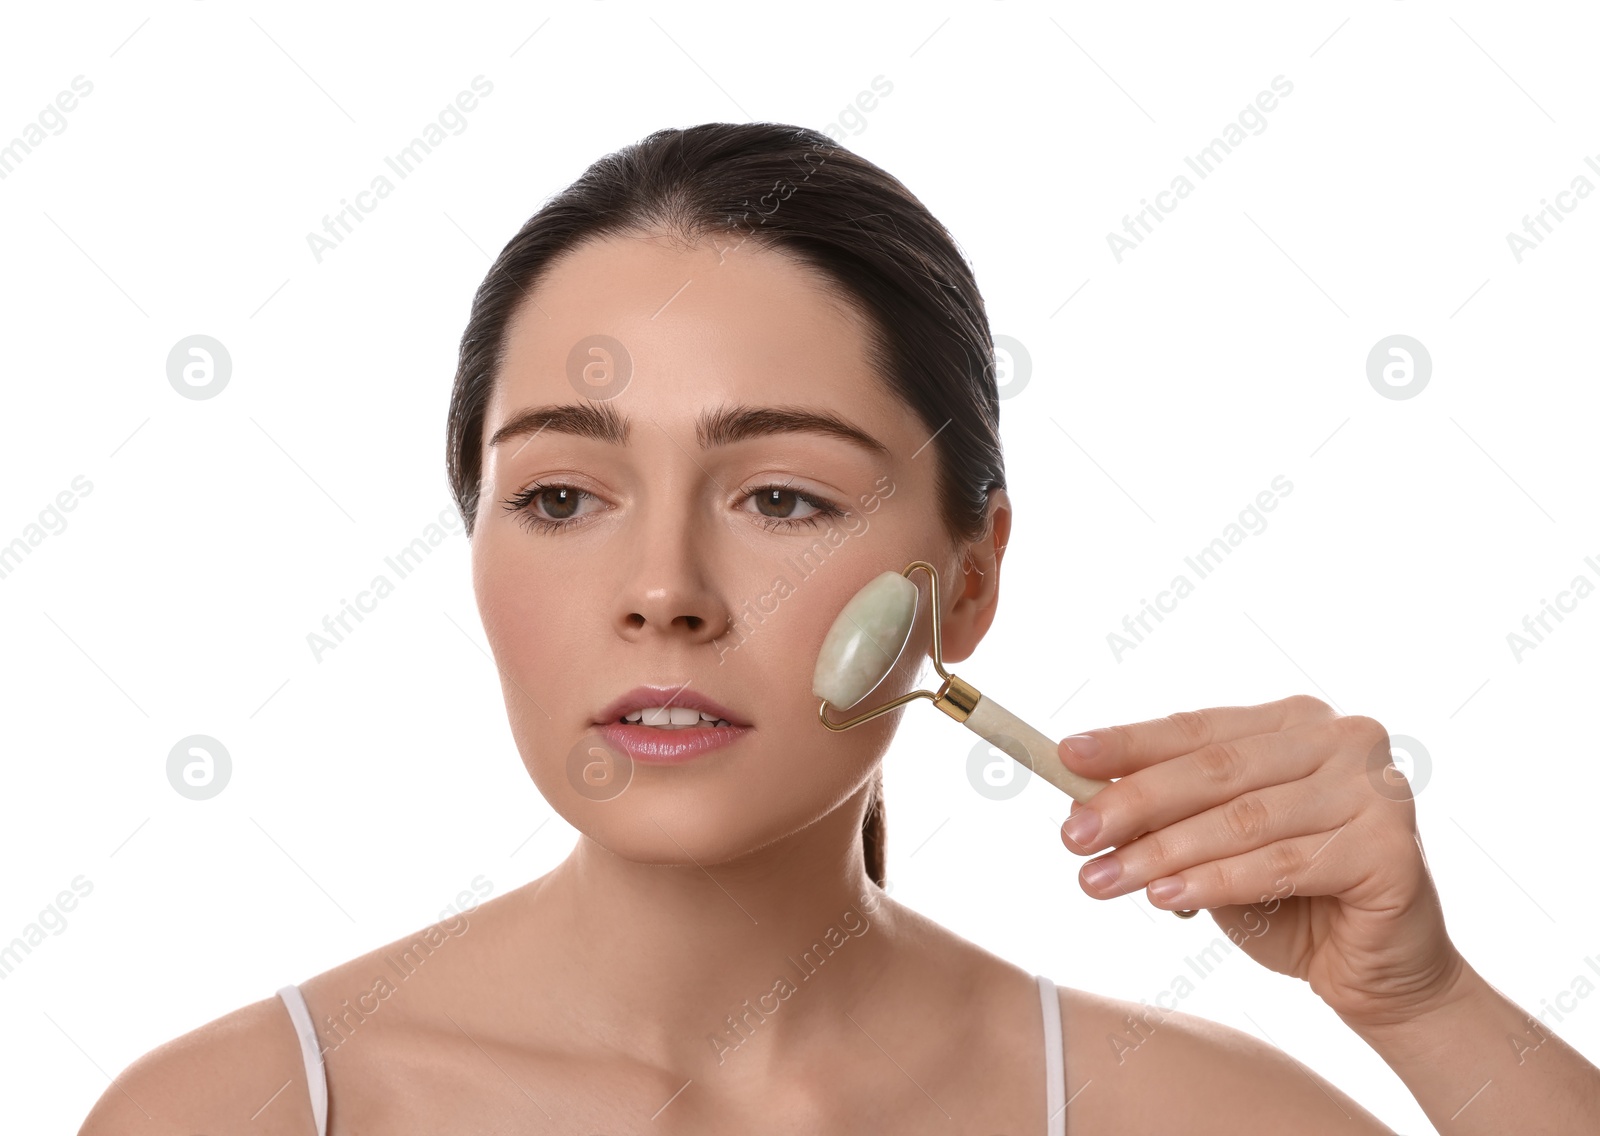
(669, 594)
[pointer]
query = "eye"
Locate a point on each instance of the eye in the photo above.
(550, 507)
(561, 501)
(777, 498)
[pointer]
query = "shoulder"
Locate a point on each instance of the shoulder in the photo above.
(1136, 1068)
(245, 1064)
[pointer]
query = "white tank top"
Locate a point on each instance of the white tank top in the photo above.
(1049, 1006)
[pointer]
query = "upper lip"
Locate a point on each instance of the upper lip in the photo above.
(644, 697)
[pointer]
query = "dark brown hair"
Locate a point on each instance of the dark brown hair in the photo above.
(796, 192)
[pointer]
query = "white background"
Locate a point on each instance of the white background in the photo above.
(1165, 392)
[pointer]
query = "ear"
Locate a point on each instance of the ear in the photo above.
(970, 583)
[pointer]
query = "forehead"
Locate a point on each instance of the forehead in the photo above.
(718, 322)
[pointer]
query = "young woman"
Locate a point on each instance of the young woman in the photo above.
(710, 390)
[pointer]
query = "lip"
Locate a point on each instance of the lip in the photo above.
(651, 744)
(643, 696)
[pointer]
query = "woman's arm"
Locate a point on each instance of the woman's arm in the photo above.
(1478, 1064)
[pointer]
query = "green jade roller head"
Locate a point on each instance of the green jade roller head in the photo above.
(866, 641)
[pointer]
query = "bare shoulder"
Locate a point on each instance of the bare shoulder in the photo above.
(1134, 1068)
(243, 1070)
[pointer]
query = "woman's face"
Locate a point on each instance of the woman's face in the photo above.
(669, 560)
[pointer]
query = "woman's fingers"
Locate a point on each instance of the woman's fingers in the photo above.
(1214, 846)
(1120, 750)
(1301, 865)
(1161, 795)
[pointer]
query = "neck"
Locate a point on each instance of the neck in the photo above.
(728, 969)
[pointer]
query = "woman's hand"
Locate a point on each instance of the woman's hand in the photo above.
(1288, 822)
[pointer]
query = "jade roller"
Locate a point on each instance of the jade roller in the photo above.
(866, 641)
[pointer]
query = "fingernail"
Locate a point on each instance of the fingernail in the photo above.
(1084, 745)
(1082, 827)
(1101, 873)
(1169, 887)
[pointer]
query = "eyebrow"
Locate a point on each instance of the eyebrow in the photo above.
(720, 427)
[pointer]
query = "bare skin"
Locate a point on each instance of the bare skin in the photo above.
(587, 1001)
(963, 1022)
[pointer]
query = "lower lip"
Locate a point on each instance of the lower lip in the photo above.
(652, 744)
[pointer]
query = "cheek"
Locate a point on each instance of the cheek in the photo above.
(532, 620)
(517, 592)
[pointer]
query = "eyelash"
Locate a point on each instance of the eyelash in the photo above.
(522, 503)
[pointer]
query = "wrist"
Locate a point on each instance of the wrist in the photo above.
(1417, 1024)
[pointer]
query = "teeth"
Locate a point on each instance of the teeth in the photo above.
(672, 717)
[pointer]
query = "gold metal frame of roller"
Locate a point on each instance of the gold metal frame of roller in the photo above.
(955, 697)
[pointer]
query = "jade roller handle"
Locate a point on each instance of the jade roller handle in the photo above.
(1014, 737)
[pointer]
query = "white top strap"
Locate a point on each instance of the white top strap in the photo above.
(1055, 1072)
(311, 1053)
(1049, 1006)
